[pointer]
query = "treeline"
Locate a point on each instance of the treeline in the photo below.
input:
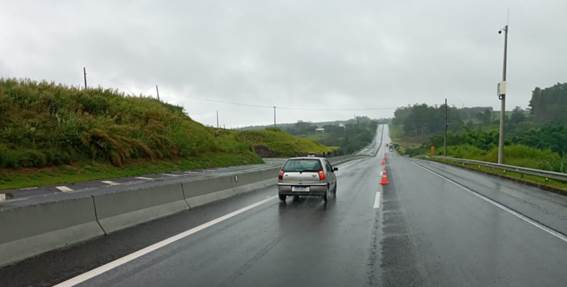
(349, 136)
(535, 137)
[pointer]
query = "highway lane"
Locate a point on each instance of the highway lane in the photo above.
(428, 231)
(454, 238)
(302, 242)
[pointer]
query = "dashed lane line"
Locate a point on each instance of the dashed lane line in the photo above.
(171, 174)
(63, 188)
(110, 182)
(378, 200)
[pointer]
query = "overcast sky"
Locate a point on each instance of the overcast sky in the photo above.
(332, 59)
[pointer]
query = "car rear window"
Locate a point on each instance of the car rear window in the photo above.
(301, 165)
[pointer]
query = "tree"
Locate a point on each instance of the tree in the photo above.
(549, 104)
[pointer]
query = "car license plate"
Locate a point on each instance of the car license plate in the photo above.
(300, 188)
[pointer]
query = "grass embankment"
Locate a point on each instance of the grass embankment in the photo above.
(53, 134)
(281, 144)
(546, 183)
(406, 145)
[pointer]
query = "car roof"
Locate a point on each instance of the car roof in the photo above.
(307, 157)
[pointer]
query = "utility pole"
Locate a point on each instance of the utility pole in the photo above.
(218, 119)
(275, 117)
(157, 92)
(502, 97)
(85, 76)
(446, 126)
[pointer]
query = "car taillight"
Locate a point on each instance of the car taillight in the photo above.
(280, 176)
(322, 175)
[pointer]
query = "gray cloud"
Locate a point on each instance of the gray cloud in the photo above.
(314, 54)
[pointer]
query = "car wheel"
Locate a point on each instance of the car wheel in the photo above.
(325, 197)
(282, 197)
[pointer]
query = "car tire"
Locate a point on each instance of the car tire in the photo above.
(325, 197)
(282, 197)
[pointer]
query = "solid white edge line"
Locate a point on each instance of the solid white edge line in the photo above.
(132, 256)
(524, 218)
(144, 178)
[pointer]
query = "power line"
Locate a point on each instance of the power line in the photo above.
(291, 108)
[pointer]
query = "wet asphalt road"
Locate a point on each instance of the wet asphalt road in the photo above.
(427, 231)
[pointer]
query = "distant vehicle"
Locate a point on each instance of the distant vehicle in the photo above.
(307, 176)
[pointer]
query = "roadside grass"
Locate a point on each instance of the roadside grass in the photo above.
(280, 143)
(56, 134)
(94, 170)
(539, 181)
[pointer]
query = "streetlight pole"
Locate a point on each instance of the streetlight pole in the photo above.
(502, 97)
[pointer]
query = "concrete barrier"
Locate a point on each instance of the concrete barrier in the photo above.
(201, 198)
(30, 230)
(125, 208)
(199, 193)
(209, 185)
(256, 176)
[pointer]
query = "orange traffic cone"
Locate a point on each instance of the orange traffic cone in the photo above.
(384, 179)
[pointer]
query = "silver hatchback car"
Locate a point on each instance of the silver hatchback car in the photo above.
(307, 176)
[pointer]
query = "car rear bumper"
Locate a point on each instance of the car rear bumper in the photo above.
(314, 190)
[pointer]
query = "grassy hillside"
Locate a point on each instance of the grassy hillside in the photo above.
(274, 142)
(51, 133)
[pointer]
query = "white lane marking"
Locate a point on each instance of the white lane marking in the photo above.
(2, 196)
(110, 182)
(378, 199)
(144, 178)
(524, 218)
(132, 256)
(63, 188)
(171, 174)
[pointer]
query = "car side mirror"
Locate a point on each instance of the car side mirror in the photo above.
(335, 168)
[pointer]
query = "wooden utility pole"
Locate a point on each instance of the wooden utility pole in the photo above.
(157, 92)
(275, 117)
(85, 76)
(218, 120)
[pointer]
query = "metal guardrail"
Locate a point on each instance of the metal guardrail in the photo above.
(523, 170)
